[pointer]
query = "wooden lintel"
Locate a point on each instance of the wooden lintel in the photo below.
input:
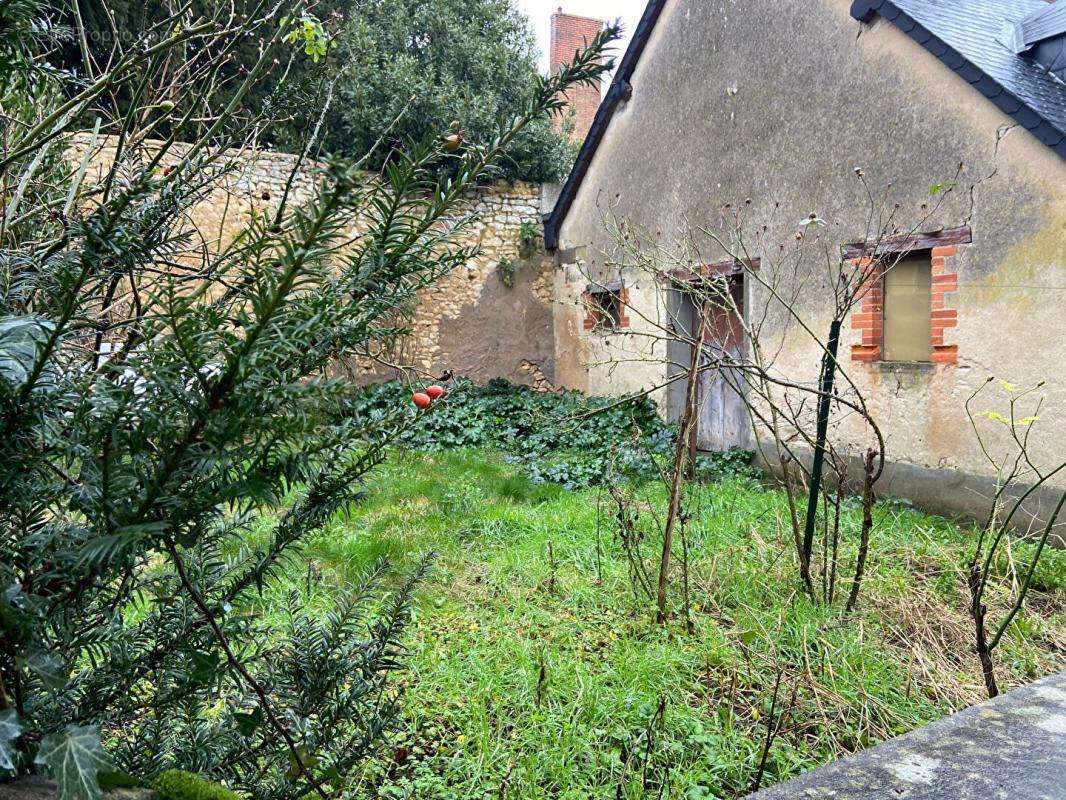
(607, 286)
(904, 244)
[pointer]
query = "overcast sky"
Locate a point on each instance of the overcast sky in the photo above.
(540, 11)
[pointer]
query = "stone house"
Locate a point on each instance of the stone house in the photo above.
(776, 107)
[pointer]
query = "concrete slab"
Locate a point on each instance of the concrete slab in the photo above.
(1010, 747)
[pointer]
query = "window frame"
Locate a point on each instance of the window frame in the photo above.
(606, 318)
(867, 319)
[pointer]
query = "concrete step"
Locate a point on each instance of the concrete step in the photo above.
(1011, 747)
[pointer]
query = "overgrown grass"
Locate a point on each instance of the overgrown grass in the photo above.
(530, 680)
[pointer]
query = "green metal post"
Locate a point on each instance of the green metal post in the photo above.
(825, 388)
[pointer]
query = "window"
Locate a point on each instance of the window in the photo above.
(910, 299)
(606, 307)
(908, 309)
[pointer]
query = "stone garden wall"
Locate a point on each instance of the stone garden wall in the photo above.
(490, 318)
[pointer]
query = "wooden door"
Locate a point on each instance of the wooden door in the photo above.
(723, 420)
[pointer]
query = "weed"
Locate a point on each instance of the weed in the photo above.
(521, 692)
(507, 269)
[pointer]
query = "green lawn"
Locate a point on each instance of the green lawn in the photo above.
(532, 682)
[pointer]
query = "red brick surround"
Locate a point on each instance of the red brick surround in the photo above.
(868, 321)
(943, 317)
(594, 318)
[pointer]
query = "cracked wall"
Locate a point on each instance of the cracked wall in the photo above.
(779, 103)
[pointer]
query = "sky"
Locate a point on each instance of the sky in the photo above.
(540, 11)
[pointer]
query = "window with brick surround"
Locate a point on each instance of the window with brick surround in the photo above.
(896, 311)
(907, 309)
(605, 308)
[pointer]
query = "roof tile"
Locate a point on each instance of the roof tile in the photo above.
(976, 31)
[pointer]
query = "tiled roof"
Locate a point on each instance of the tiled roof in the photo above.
(971, 36)
(1044, 22)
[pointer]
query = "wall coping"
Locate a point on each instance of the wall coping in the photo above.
(258, 157)
(1012, 746)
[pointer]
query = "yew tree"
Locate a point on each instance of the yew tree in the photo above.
(172, 427)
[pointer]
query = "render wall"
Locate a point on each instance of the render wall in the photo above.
(470, 321)
(779, 103)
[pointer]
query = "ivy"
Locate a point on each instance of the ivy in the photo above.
(10, 730)
(73, 757)
(565, 437)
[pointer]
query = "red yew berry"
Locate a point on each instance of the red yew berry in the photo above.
(435, 392)
(421, 399)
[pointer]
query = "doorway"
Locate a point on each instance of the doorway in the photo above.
(723, 421)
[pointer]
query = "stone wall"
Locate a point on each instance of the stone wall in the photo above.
(471, 321)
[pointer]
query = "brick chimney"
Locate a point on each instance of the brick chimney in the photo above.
(571, 33)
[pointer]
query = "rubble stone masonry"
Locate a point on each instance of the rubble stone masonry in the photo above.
(470, 321)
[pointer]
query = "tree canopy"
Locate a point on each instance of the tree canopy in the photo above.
(408, 67)
(465, 60)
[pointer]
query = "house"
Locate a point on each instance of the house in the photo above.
(955, 111)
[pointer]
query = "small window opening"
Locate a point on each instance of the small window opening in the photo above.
(607, 307)
(908, 308)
